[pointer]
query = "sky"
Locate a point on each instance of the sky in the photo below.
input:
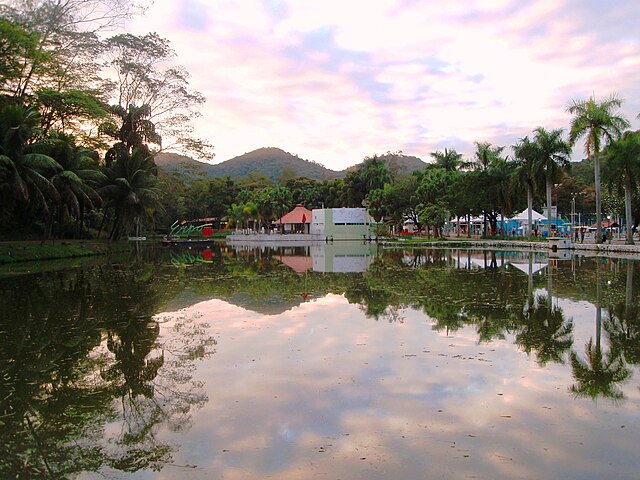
(336, 81)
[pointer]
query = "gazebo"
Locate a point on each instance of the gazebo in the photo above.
(297, 220)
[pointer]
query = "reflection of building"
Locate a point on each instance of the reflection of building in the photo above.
(343, 257)
(526, 262)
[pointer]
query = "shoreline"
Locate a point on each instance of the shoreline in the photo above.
(17, 251)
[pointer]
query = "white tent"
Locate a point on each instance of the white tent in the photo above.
(524, 216)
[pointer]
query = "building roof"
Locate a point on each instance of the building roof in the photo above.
(299, 214)
(297, 263)
(524, 216)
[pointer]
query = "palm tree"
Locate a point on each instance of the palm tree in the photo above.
(552, 155)
(526, 174)
(130, 190)
(485, 155)
(23, 172)
(450, 160)
(596, 120)
(77, 180)
(622, 161)
(134, 130)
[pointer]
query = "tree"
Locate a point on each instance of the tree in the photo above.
(141, 80)
(133, 129)
(525, 174)
(490, 178)
(18, 45)
(131, 190)
(596, 121)
(77, 181)
(71, 111)
(66, 53)
(273, 202)
(375, 204)
(552, 156)
(400, 200)
(448, 159)
(485, 154)
(434, 216)
(23, 172)
(622, 162)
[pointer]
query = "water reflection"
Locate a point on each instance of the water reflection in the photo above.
(86, 380)
(391, 363)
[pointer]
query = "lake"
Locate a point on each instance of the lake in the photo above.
(340, 361)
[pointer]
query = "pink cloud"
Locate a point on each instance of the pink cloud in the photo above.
(317, 80)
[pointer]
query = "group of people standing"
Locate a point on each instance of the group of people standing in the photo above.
(579, 232)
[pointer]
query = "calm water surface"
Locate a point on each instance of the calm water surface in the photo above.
(330, 362)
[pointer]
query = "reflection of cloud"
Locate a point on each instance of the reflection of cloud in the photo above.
(320, 390)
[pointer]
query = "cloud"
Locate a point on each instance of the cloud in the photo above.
(334, 81)
(194, 15)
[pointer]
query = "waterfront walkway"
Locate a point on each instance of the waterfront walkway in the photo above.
(616, 246)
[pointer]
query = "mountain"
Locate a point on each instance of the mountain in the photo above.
(274, 163)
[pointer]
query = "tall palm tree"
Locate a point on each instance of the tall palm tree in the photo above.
(552, 155)
(622, 161)
(596, 121)
(525, 153)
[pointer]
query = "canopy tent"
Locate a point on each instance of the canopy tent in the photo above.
(524, 216)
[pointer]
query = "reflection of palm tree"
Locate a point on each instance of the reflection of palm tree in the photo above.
(545, 331)
(131, 345)
(599, 375)
(623, 326)
(624, 332)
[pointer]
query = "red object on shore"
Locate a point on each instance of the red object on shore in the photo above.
(207, 231)
(207, 254)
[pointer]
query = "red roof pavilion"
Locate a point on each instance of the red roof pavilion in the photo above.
(299, 214)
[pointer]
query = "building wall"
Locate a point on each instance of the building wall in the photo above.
(342, 223)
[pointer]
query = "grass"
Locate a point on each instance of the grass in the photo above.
(22, 251)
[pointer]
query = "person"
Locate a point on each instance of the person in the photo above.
(576, 235)
(604, 236)
(582, 235)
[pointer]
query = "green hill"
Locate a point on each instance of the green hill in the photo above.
(273, 163)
